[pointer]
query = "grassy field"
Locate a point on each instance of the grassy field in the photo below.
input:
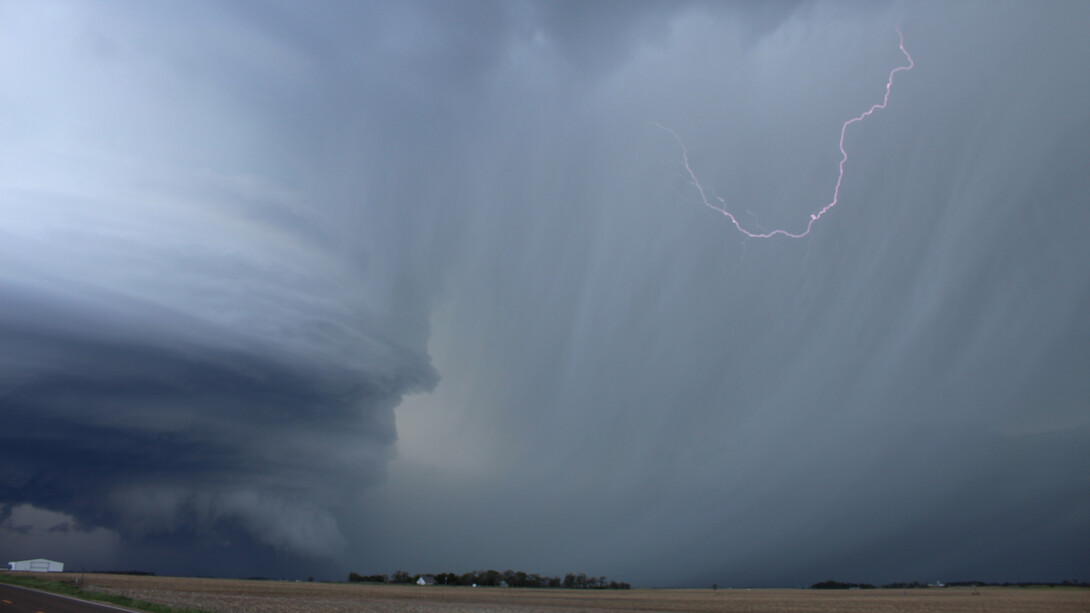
(234, 596)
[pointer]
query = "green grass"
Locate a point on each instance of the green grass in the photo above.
(70, 589)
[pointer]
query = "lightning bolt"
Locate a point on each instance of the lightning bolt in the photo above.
(721, 207)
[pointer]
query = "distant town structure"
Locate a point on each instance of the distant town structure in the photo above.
(426, 580)
(38, 565)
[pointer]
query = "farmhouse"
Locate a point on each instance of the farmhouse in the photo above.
(426, 580)
(40, 565)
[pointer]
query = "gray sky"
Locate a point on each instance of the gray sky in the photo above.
(297, 289)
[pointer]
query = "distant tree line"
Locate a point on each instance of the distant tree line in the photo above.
(900, 585)
(494, 578)
(840, 585)
(1067, 583)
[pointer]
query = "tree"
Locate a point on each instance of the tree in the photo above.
(357, 578)
(490, 578)
(493, 578)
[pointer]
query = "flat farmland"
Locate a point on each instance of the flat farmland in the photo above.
(235, 596)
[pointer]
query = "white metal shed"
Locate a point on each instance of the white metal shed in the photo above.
(40, 565)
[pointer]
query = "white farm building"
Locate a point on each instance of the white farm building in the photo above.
(40, 565)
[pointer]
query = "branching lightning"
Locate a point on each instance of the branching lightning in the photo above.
(721, 207)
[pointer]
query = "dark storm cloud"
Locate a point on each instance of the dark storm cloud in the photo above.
(236, 237)
(193, 338)
(128, 415)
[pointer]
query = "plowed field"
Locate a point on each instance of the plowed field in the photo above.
(236, 596)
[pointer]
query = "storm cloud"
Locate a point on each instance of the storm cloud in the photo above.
(423, 286)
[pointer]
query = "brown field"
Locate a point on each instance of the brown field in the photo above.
(233, 596)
